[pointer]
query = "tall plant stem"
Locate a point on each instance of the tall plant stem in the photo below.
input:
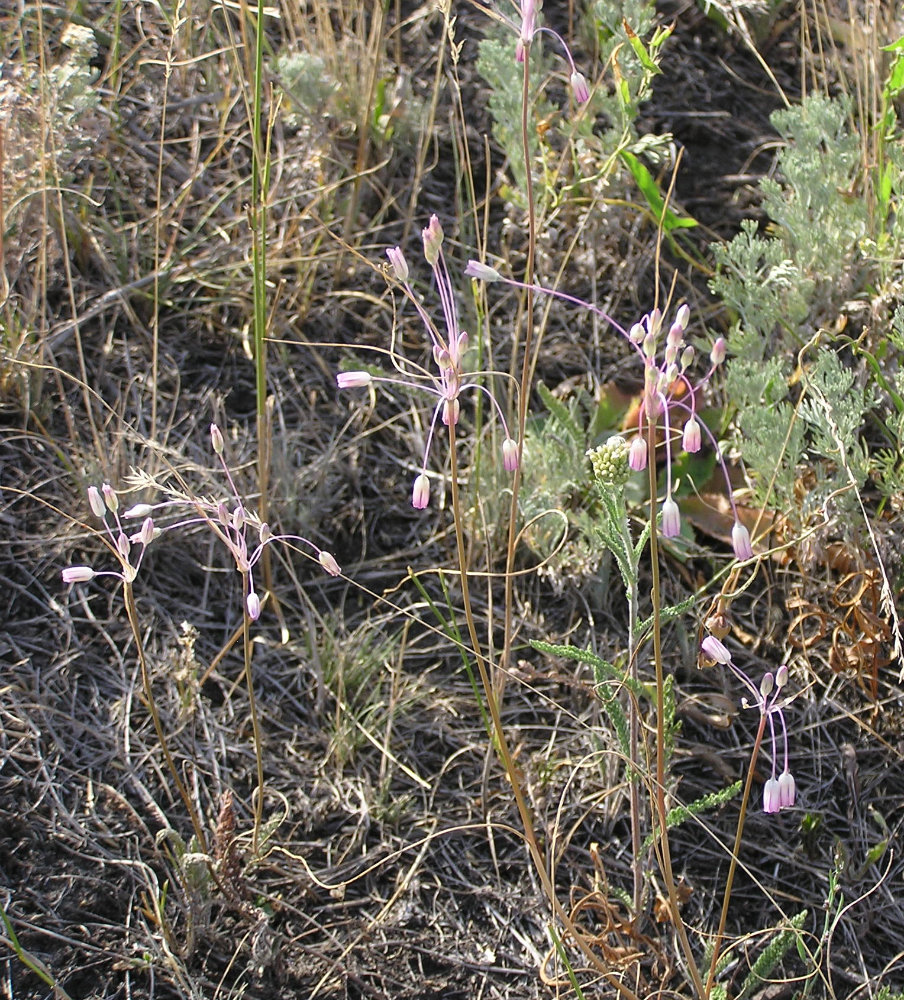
(255, 724)
(526, 369)
(733, 865)
(502, 747)
(132, 612)
(659, 783)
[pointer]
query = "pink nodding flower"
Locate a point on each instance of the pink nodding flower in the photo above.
(637, 454)
(671, 518)
(579, 87)
(78, 574)
(399, 264)
(420, 495)
(772, 802)
(328, 561)
(509, 455)
(353, 380)
(692, 439)
(740, 542)
(715, 650)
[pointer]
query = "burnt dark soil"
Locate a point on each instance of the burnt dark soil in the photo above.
(393, 865)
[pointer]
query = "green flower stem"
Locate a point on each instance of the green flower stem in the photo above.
(505, 756)
(733, 865)
(255, 724)
(659, 783)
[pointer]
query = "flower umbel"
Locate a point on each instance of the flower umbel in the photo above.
(448, 342)
(780, 790)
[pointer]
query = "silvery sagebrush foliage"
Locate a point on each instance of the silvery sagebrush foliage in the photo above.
(449, 343)
(238, 527)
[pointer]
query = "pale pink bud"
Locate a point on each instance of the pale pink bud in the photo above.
(110, 497)
(223, 514)
(579, 87)
(146, 535)
(684, 314)
(691, 439)
(671, 519)
(637, 454)
(123, 545)
(353, 380)
(264, 533)
(509, 455)
(420, 495)
(433, 240)
(687, 357)
(481, 272)
(717, 354)
(399, 264)
(238, 517)
(740, 542)
(78, 574)
(637, 333)
(442, 357)
(328, 562)
(781, 676)
(767, 684)
(713, 649)
(787, 790)
(95, 502)
(216, 439)
(139, 510)
(451, 410)
(772, 796)
(253, 606)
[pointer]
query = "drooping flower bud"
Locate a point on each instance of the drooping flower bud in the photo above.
(216, 439)
(787, 790)
(671, 519)
(420, 495)
(637, 454)
(253, 605)
(740, 542)
(78, 574)
(772, 798)
(328, 561)
(139, 510)
(509, 455)
(482, 272)
(579, 87)
(691, 439)
(146, 535)
(353, 380)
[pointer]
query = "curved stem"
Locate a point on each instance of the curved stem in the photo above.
(732, 867)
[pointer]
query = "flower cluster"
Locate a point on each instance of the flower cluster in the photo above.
(449, 379)
(241, 531)
(780, 790)
(669, 399)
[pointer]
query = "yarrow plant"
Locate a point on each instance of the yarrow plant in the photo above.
(448, 345)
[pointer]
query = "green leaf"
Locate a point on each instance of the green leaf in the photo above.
(650, 190)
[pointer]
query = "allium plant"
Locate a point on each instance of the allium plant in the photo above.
(670, 396)
(245, 536)
(448, 343)
(780, 790)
